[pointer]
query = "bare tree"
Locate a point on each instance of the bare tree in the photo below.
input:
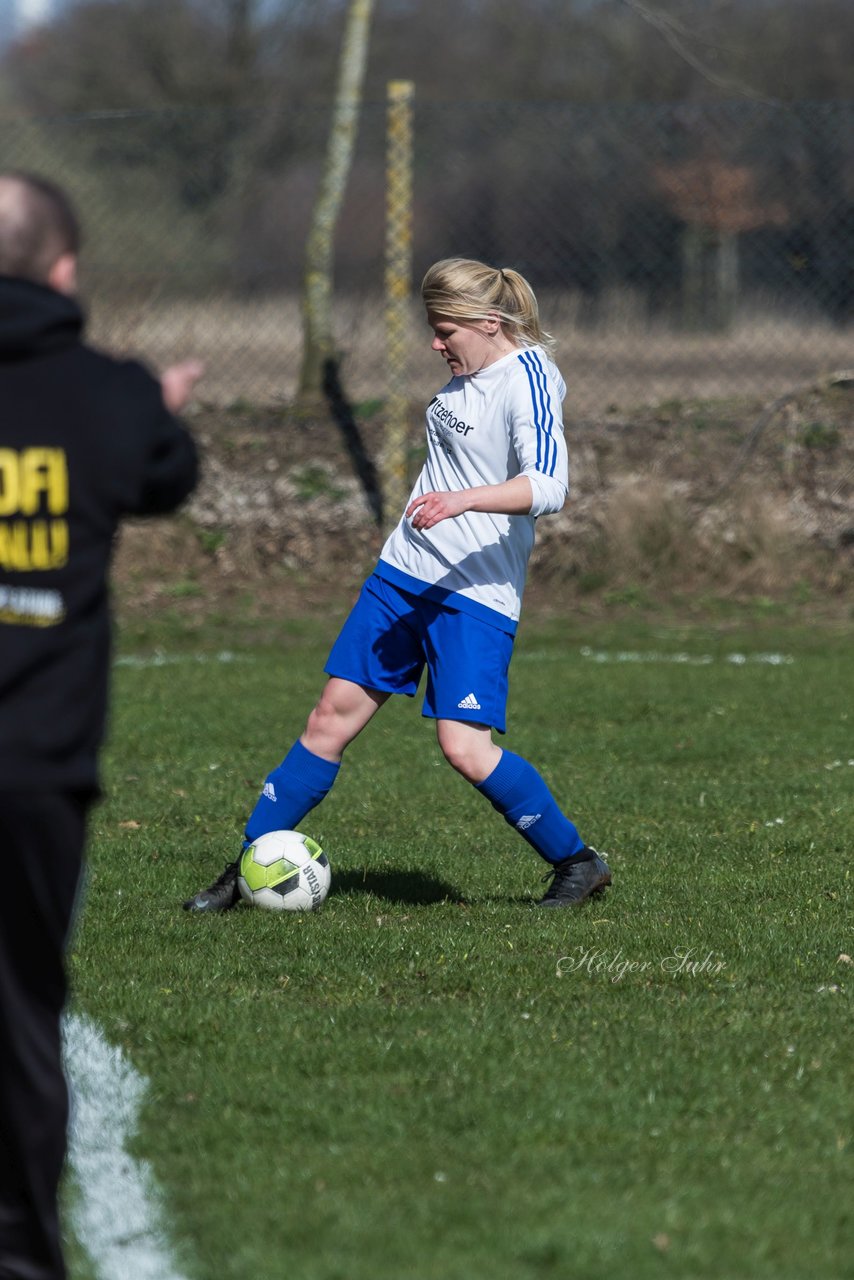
(318, 342)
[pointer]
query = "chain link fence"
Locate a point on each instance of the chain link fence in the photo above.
(679, 252)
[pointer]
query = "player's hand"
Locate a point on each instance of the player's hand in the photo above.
(430, 508)
(178, 381)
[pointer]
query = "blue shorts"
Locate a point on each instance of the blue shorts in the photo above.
(391, 635)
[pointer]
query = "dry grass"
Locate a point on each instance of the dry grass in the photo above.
(657, 422)
(652, 532)
(653, 508)
(252, 350)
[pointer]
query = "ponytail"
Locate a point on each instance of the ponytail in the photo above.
(468, 291)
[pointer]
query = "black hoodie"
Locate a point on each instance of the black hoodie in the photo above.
(84, 440)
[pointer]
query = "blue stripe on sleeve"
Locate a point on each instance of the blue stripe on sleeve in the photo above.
(543, 415)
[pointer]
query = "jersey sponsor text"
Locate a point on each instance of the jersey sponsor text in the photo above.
(447, 418)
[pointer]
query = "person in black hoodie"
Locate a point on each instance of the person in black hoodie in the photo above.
(84, 440)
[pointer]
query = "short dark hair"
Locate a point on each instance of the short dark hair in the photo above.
(37, 225)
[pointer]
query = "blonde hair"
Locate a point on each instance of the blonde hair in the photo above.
(468, 291)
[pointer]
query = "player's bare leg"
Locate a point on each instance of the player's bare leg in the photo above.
(468, 748)
(343, 710)
(302, 779)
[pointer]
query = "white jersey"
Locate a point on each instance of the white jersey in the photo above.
(485, 428)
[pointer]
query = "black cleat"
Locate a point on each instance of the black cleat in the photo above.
(222, 895)
(575, 879)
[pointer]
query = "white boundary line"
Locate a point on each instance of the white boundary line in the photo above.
(688, 659)
(116, 1214)
(675, 659)
(161, 659)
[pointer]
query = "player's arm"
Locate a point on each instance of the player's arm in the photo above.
(535, 421)
(510, 498)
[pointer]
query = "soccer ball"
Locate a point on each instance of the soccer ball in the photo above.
(284, 871)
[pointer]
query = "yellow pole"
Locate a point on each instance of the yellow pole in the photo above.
(398, 275)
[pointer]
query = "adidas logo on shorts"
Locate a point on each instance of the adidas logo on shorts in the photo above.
(469, 703)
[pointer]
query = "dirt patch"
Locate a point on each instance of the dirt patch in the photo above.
(676, 499)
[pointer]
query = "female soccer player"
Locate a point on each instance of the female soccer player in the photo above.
(447, 590)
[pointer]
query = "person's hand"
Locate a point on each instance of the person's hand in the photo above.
(178, 381)
(430, 508)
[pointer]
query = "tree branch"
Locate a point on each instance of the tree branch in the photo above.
(676, 36)
(842, 378)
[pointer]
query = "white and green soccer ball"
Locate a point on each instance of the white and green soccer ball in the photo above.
(284, 871)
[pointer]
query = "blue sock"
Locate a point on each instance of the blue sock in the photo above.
(522, 798)
(294, 788)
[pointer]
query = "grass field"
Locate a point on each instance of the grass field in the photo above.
(430, 1080)
(251, 349)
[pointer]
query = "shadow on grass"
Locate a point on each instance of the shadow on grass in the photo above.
(413, 887)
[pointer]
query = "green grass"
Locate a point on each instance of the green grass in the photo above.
(429, 1079)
